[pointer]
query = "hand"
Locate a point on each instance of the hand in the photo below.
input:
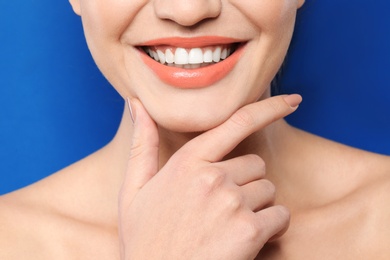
(197, 206)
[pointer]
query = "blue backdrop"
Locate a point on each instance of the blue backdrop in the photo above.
(56, 107)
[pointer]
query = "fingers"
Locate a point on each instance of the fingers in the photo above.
(143, 161)
(272, 222)
(258, 194)
(243, 169)
(213, 145)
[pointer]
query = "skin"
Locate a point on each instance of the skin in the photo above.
(202, 188)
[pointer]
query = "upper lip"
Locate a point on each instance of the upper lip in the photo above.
(191, 42)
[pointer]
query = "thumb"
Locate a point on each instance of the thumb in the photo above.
(143, 160)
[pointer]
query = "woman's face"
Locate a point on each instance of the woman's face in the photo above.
(210, 57)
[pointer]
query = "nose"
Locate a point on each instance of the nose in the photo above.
(187, 12)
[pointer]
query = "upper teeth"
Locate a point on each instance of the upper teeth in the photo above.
(194, 56)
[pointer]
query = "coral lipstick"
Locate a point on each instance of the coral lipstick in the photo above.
(193, 77)
(191, 42)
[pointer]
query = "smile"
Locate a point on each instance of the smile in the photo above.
(189, 58)
(191, 62)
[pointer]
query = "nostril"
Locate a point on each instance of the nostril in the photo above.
(187, 12)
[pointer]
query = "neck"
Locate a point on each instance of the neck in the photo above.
(267, 143)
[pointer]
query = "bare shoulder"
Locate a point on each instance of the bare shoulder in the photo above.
(358, 185)
(376, 195)
(38, 223)
(379, 192)
(20, 232)
(32, 228)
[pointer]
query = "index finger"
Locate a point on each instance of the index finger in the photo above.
(214, 144)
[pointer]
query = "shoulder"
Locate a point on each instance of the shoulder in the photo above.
(32, 229)
(52, 220)
(342, 170)
(362, 213)
(20, 230)
(378, 194)
(32, 226)
(376, 197)
(29, 222)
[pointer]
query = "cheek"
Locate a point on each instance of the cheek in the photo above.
(274, 22)
(104, 23)
(269, 16)
(109, 18)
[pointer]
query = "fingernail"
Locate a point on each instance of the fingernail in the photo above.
(293, 100)
(130, 110)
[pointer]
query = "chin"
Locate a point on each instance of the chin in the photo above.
(181, 123)
(193, 112)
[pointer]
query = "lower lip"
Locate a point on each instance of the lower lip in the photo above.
(193, 78)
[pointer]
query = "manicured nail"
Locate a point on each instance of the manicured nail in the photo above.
(293, 100)
(130, 110)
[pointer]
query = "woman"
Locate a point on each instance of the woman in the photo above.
(196, 160)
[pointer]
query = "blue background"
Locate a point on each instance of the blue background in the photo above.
(56, 107)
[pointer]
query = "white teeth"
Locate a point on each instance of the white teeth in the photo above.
(224, 54)
(155, 56)
(217, 54)
(181, 56)
(161, 56)
(208, 56)
(194, 58)
(170, 58)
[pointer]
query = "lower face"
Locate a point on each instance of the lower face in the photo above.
(190, 69)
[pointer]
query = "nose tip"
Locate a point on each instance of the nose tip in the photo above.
(187, 12)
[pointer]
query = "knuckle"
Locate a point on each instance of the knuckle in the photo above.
(277, 108)
(138, 149)
(233, 200)
(135, 150)
(250, 229)
(253, 233)
(243, 118)
(210, 179)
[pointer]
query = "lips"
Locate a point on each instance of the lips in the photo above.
(191, 62)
